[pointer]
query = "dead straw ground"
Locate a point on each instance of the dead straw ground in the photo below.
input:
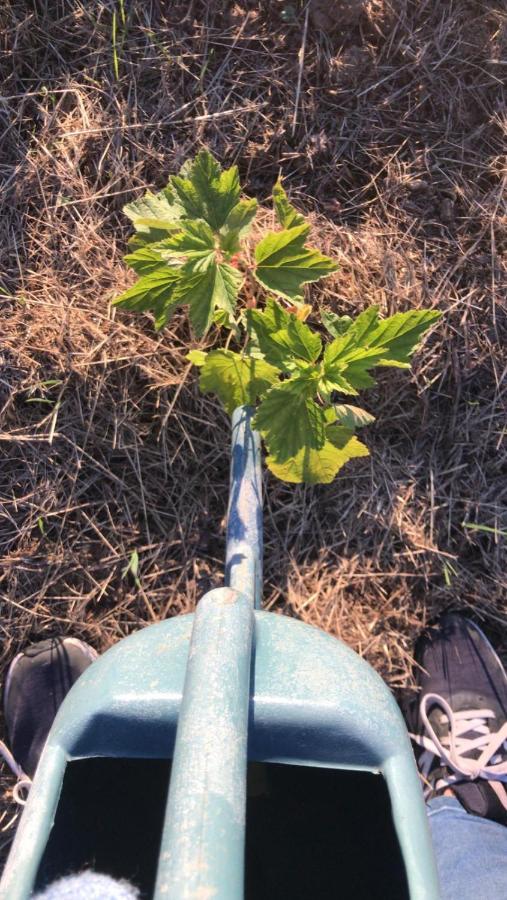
(395, 146)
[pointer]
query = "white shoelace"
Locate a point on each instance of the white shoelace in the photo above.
(453, 750)
(23, 783)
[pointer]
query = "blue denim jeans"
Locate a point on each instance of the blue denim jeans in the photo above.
(471, 852)
(471, 857)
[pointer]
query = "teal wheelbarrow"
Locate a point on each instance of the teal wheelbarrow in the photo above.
(267, 758)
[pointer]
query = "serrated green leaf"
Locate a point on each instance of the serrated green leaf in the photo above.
(344, 350)
(335, 382)
(357, 373)
(282, 337)
(319, 466)
(355, 339)
(272, 318)
(215, 285)
(152, 290)
(201, 282)
(364, 326)
(261, 324)
(334, 324)
(162, 315)
(237, 380)
(203, 169)
(154, 215)
(144, 260)
(227, 286)
(205, 191)
(347, 370)
(288, 419)
(352, 417)
(400, 334)
(151, 232)
(198, 262)
(286, 213)
(394, 339)
(197, 290)
(195, 239)
(197, 357)
(371, 342)
(237, 225)
(284, 264)
(298, 340)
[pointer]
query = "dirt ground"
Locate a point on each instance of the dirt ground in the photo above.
(388, 127)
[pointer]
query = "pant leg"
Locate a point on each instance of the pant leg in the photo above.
(88, 886)
(471, 852)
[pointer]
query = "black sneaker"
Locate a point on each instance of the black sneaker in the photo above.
(458, 722)
(37, 681)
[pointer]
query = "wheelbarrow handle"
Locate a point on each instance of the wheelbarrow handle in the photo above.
(243, 558)
(203, 838)
(202, 848)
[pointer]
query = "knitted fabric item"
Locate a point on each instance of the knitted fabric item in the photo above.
(88, 886)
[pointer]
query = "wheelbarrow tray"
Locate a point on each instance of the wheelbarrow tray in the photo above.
(313, 702)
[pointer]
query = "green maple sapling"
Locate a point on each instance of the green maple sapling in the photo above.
(192, 247)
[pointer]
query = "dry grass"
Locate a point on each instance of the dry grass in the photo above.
(106, 445)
